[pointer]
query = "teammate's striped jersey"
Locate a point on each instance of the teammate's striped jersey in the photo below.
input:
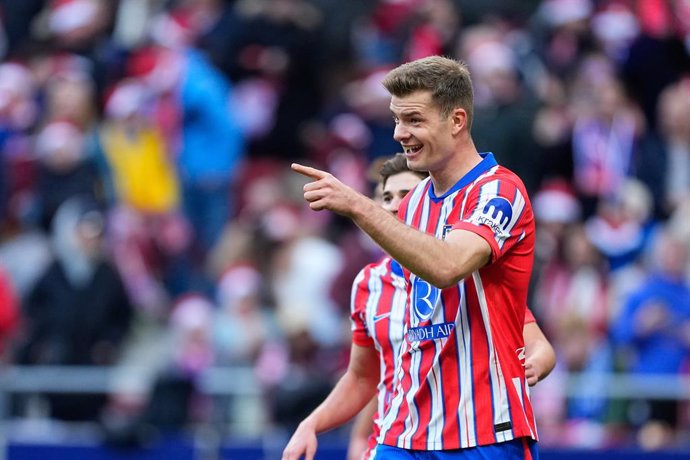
(460, 382)
(377, 311)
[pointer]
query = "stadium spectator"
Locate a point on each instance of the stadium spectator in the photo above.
(9, 314)
(664, 154)
(150, 233)
(191, 109)
(276, 42)
(241, 325)
(64, 169)
(19, 111)
(606, 131)
(651, 330)
(505, 107)
(78, 312)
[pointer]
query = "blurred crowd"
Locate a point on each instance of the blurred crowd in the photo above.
(149, 219)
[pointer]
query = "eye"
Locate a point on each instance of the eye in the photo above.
(396, 120)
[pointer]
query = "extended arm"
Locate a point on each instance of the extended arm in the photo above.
(540, 357)
(440, 262)
(352, 392)
(361, 430)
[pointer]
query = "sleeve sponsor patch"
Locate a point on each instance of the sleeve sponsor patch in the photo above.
(496, 214)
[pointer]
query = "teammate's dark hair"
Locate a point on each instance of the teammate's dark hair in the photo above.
(395, 165)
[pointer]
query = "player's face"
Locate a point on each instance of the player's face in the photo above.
(396, 188)
(425, 135)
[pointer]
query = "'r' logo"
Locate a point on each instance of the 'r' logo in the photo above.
(425, 297)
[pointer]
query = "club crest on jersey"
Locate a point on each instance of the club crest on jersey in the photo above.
(424, 299)
(446, 228)
(496, 214)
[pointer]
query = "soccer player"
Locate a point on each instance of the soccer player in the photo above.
(466, 239)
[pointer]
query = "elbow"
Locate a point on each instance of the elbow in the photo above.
(444, 283)
(550, 361)
(366, 386)
(447, 275)
(455, 268)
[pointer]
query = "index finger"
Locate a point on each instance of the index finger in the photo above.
(308, 171)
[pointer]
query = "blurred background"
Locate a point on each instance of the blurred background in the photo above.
(165, 293)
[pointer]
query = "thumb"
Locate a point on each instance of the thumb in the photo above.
(309, 171)
(311, 451)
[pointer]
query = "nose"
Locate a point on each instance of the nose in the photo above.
(395, 204)
(392, 205)
(400, 133)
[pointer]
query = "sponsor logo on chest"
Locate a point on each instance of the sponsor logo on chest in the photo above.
(430, 332)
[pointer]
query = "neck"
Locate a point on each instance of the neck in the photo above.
(447, 176)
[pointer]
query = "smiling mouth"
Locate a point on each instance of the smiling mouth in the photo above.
(411, 149)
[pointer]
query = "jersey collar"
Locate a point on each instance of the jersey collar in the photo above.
(488, 162)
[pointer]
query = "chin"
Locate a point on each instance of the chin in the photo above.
(416, 164)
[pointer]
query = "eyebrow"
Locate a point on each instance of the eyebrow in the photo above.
(407, 113)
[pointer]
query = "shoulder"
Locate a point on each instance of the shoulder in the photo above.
(502, 176)
(368, 272)
(501, 182)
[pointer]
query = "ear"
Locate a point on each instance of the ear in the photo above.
(459, 119)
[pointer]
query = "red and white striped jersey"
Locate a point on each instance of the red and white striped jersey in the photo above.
(460, 382)
(377, 311)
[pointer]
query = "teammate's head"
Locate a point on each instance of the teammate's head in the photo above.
(447, 80)
(397, 179)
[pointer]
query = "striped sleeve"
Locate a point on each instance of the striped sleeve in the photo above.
(495, 211)
(529, 317)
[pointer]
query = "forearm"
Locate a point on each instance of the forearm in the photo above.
(352, 392)
(361, 430)
(441, 262)
(544, 354)
(538, 351)
(435, 260)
